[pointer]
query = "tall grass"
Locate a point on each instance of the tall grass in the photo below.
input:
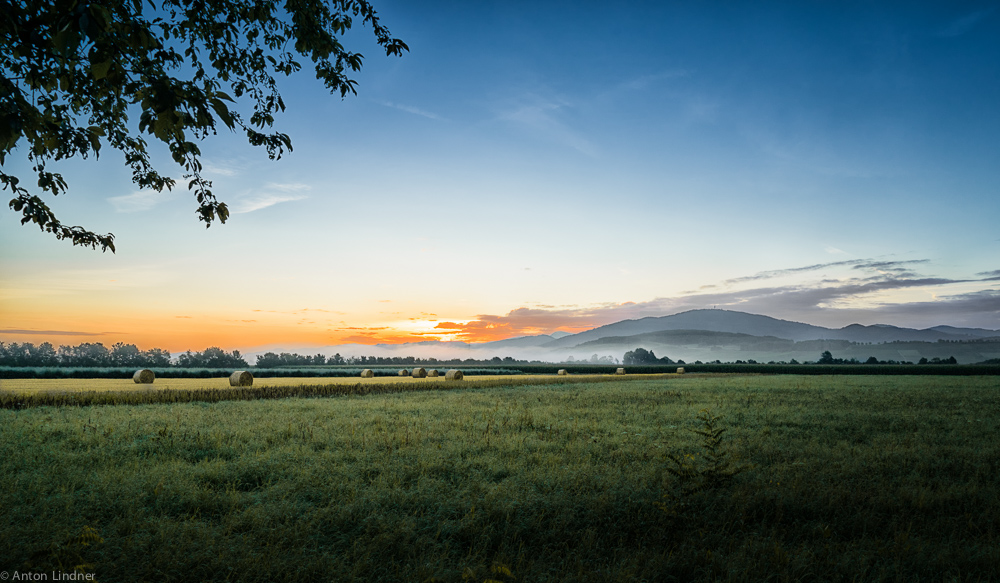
(849, 479)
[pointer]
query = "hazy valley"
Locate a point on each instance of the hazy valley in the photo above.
(705, 335)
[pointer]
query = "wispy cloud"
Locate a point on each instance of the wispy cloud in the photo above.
(221, 168)
(410, 109)
(889, 265)
(789, 271)
(139, 201)
(287, 187)
(881, 267)
(962, 25)
(896, 269)
(643, 81)
(272, 194)
(146, 199)
(546, 119)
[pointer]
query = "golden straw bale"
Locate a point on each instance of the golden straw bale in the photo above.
(453, 375)
(240, 378)
(144, 377)
(418, 373)
(433, 373)
(620, 371)
(367, 373)
(680, 370)
(404, 373)
(563, 371)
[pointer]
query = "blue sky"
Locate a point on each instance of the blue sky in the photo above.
(528, 167)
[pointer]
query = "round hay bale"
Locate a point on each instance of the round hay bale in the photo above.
(563, 371)
(433, 373)
(453, 375)
(680, 370)
(144, 377)
(620, 371)
(418, 373)
(367, 373)
(240, 378)
(404, 373)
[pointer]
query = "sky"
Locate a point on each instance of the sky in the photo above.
(529, 167)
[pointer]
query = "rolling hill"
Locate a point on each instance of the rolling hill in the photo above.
(757, 325)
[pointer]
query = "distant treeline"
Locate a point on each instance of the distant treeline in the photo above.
(643, 356)
(95, 354)
(86, 354)
(827, 358)
(272, 360)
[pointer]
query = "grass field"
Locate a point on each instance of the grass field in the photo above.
(849, 479)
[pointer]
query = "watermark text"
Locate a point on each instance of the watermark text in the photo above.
(52, 576)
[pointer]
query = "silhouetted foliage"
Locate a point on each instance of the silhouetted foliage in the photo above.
(936, 360)
(75, 71)
(82, 355)
(827, 358)
(213, 357)
(643, 356)
(272, 360)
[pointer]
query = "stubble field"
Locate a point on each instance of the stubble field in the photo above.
(843, 479)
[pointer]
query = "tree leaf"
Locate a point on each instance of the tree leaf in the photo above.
(223, 112)
(100, 70)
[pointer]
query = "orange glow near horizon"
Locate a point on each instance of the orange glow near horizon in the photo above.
(178, 320)
(195, 332)
(168, 322)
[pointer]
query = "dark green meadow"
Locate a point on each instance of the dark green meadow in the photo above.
(845, 478)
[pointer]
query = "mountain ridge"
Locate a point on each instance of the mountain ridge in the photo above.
(714, 320)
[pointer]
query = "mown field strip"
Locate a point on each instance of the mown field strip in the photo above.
(27, 386)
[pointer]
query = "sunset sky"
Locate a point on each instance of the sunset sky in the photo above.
(538, 166)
